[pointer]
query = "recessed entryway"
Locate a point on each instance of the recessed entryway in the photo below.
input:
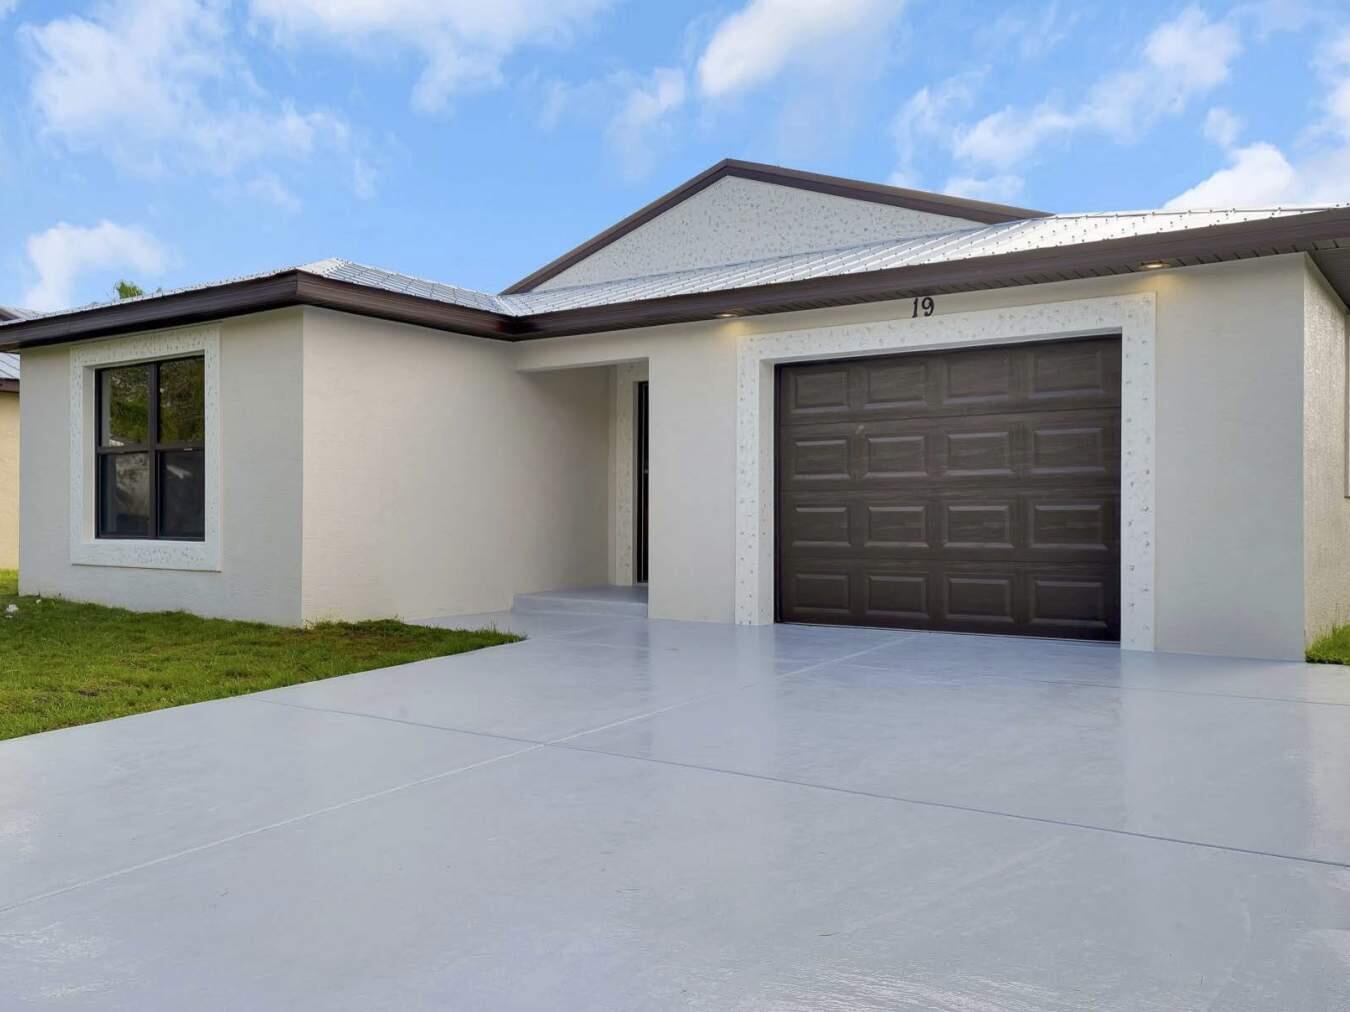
(974, 490)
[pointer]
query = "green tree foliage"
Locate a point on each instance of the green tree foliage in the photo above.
(128, 290)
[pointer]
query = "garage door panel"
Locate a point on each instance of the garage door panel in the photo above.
(817, 456)
(1074, 371)
(824, 526)
(970, 490)
(1066, 524)
(897, 526)
(894, 455)
(823, 590)
(985, 526)
(894, 385)
(987, 378)
(987, 451)
(1073, 443)
(897, 598)
(818, 390)
(1069, 604)
(983, 597)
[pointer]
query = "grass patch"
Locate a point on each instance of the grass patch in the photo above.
(63, 663)
(1331, 648)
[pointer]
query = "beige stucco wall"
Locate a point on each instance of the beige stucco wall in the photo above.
(373, 468)
(1229, 430)
(692, 376)
(440, 480)
(1326, 508)
(9, 480)
(260, 421)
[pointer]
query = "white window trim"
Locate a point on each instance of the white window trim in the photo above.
(1130, 316)
(85, 549)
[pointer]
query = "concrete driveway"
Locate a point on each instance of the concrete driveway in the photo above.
(622, 814)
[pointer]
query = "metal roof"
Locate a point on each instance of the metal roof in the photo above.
(9, 366)
(990, 240)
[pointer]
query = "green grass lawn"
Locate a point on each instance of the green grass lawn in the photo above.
(1332, 648)
(63, 663)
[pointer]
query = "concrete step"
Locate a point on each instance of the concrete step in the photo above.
(607, 600)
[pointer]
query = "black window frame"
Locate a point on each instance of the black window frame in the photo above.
(153, 448)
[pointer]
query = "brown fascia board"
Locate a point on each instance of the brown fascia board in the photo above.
(9, 386)
(1106, 256)
(915, 200)
(1301, 232)
(362, 300)
(252, 295)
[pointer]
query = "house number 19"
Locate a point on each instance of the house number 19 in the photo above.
(926, 305)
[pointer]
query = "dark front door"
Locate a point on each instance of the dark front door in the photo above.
(974, 490)
(641, 443)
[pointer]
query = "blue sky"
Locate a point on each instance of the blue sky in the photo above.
(182, 141)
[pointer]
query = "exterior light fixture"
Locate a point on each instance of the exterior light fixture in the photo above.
(730, 314)
(1154, 265)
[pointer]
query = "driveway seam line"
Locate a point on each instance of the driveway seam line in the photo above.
(951, 806)
(745, 684)
(408, 723)
(279, 824)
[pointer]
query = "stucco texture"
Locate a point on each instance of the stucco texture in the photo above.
(261, 456)
(440, 480)
(735, 220)
(1326, 510)
(1229, 430)
(9, 480)
(375, 469)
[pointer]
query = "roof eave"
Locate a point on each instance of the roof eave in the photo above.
(252, 295)
(1215, 243)
(1315, 232)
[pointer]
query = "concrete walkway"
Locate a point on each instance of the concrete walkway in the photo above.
(623, 814)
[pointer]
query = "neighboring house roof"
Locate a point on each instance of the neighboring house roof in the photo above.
(1015, 251)
(9, 364)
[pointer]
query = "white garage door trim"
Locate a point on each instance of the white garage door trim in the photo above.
(1130, 316)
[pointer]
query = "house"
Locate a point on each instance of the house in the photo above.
(9, 451)
(772, 395)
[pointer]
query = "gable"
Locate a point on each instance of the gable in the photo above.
(737, 219)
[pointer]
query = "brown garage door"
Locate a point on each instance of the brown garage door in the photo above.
(974, 490)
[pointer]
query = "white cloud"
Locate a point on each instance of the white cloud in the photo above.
(1009, 136)
(1185, 57)
(641, 118)
(271, 189)
(157, 85)
(1182, 58)
(927, 117)
(1258, 174)
(1261, 174)
(754, 45)
(1222, 126)
(363, 178)
(996, 188)
(462, 43)
(63, 252)
(1033, 34)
